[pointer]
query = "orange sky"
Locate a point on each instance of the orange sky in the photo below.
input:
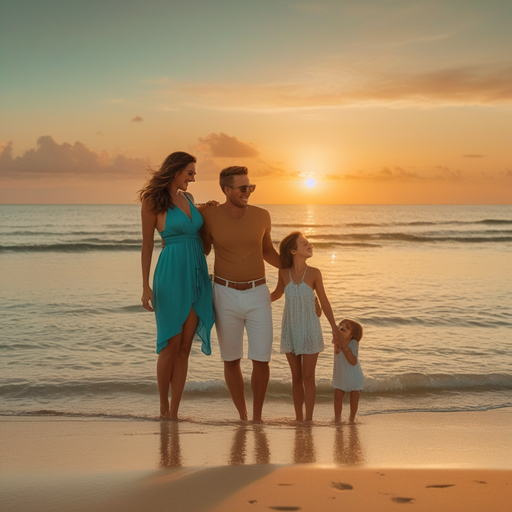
(384, 102)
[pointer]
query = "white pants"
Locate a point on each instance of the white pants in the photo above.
(235, 309)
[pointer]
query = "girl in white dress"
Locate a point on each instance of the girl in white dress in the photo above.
(301, 333)
(347, 375)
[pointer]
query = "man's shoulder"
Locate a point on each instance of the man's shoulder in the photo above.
(258, 209)
(210, 212)
(259, 212)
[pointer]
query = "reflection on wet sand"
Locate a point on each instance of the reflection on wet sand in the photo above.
(347, 445)
(238, 446)
(170, 451)
(261, 447)
(304, 446)
(238, 451)
(347, 448)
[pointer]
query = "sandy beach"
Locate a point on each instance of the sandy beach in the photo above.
(434, 461)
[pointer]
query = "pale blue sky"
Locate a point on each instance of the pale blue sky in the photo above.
(358, 85)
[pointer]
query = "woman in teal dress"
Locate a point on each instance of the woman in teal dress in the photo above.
(182, 294)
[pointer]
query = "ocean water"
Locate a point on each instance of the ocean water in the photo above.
(431, 286)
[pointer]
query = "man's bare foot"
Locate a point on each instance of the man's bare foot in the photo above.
(352, 420)
(164, 412)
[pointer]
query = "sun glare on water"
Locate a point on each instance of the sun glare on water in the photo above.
(310, 182)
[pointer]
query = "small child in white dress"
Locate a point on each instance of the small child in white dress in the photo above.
(347, 374)
(301, 333)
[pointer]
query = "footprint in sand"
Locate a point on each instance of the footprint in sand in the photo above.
(403, 500)
(285, 508)
(440, 486)
(342, 487)
(480, 482)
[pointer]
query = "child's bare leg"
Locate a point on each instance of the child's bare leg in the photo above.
(338, 404)
(354, 404)
(308, 376)
(295, 363)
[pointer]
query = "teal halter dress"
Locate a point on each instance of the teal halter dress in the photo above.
(181, 280)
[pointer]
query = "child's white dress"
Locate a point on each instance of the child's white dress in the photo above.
(301, 332)
(345, 376)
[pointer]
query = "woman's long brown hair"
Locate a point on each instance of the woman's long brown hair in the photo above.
(155, 193)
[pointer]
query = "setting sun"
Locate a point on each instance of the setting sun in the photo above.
(310, 182)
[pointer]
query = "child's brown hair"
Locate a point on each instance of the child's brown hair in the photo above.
(287, 245)
(355, 328)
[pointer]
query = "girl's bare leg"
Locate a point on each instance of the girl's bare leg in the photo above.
(180, 369)
(354, 404)
(338, 404)
(295, 363)
(308, 376)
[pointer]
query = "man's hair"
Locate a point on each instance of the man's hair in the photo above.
(226, 175)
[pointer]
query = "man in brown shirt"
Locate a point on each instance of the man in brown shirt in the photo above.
(240, 234)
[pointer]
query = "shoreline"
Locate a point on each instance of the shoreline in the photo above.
(436, 461)
(478, 439)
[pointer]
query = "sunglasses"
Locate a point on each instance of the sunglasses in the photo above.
(244, 188)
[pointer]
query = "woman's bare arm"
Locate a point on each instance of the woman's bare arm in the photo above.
(318, 286)
(148, 235)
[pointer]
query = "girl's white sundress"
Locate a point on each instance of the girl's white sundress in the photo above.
(300, 331)
(345, 376)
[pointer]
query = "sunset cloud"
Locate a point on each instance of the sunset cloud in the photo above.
(223, 146)
(264, 169)
(399, 174)
(53, 159)
(137, 119)
(476, 85)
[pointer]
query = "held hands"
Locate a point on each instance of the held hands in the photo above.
(147, 299)
(336, 340)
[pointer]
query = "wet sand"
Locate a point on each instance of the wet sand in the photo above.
(434, 461)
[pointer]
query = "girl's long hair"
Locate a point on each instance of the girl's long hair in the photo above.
(287, 245)
(155, 193)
